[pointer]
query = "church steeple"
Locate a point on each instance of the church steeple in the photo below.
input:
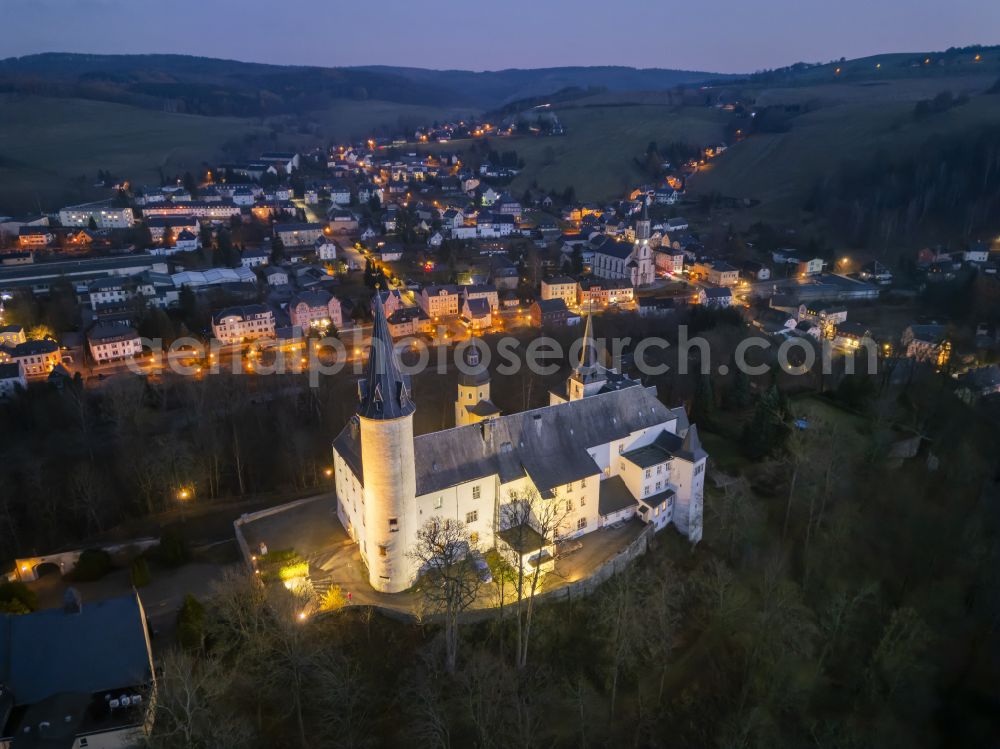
(643, 225)
(384, 393)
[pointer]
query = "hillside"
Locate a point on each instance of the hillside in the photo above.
(834, 124)
(51, 149)
(201, 85)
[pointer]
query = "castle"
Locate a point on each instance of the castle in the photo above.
(605, 446)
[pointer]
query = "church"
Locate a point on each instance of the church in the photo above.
(632, 262)
(605, 446)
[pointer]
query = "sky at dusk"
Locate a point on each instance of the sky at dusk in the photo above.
(712, 35)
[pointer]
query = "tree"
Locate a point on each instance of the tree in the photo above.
(526, 517)
(449, 579)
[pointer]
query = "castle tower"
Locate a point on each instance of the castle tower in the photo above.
(588, 376)
(385, 415)
(473, 403)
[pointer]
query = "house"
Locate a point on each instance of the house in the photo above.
(238, 324)
(256, 257)
(298, 235)
(977, 253)
(11, 335)
(477, 313)
(809, 267)
(774, 321)
(560, 287)
(549, 313)
(112, 342)
(659, 306)
(12, 379)
(37, 358)
(852, 336)
(754, 271)
(79, 675)
(326, 249)
(977, 383)
(315, 308)
(600, 292)
(439, 301)
(564, 454)
(483, 291)
(187, 242)
(677, 224)
(162, 226)
(34, 237)
(275, 275)
(720, 297)
(489, 197)
(717, 272)
(927, 343)
(408, 321)
(108, 292)
(669, 260)
(342, 221)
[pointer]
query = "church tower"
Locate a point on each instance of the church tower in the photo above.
(385, 415)
(642, 266)
(473, 403)
(643, 226)
(588, 376)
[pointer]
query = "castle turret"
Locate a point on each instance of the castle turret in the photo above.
(473, 403)
(588, 376)
(385, 415)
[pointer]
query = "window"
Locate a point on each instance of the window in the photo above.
(569, 488)
(393, 525)
(581, 524)
(569, 505)
(645, 491)
(438, 503)
(658, 484)
(659, 469)
(649, 472)
(621, 449)
(583, 483)
(583, 501)
(383, 550)
(476, 491)
(472, 517)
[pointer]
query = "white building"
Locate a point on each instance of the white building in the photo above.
(609, 451)
(11, 378)
(246, 323)
(104, 214)
(560, 287)
(110, 343)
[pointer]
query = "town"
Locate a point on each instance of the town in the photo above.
(224, 459)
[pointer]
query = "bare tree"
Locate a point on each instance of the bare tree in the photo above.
(525, 517)
(449, 580)
(188, 712)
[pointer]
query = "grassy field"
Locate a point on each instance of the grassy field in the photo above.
(45, 143)
(596, 154)
(850, 123)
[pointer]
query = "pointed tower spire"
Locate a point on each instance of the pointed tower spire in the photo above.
(384, 393)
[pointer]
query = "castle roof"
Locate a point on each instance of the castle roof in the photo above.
(384, 393)
(549, 445)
